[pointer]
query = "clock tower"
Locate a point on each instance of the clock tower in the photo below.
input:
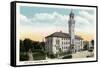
(71, 23)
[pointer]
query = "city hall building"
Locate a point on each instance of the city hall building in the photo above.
(64, 42)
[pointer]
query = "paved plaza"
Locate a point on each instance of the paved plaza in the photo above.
(82, 54)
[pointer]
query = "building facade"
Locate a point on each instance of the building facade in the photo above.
(64, 42)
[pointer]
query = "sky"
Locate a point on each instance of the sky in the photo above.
(38, 22)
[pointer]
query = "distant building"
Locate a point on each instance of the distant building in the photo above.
(64, 42)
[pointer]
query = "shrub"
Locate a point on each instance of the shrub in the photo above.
(90, 50)
(23, 57)
(39, 56)
(52, 56)
(67, 57)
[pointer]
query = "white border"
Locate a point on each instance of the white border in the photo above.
(54, 60)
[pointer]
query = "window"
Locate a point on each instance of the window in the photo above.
(48, 42)
(73, 41)
(62, 43)
(62, 47)
(57, 42)
(62, 38)
(65, 47)
(66, 42)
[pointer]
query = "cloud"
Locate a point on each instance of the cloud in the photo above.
(86, 15)
(84, 21)
(47, 18)
(52, 20)
(24, 20)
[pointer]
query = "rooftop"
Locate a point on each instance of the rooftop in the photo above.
(63, 35)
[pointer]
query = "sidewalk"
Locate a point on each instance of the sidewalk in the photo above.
(82, 54)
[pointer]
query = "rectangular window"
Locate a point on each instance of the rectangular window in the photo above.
(57, 42)
(62, 38)
(62, 43)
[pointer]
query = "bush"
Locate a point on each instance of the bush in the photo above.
(23, 57)
(52, 56)
(64, 53)
(39, 56)
(38, 50)
(67, 57)
(90, 50)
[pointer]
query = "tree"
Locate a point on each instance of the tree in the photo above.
(43, 45)
(27, 44)
(92, 42)
(86, 45)
(21, 42)
(28, 47)
(39, 45)
(22, 48)
(36, 45)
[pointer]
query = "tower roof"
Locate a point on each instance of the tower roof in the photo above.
(71, 13)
